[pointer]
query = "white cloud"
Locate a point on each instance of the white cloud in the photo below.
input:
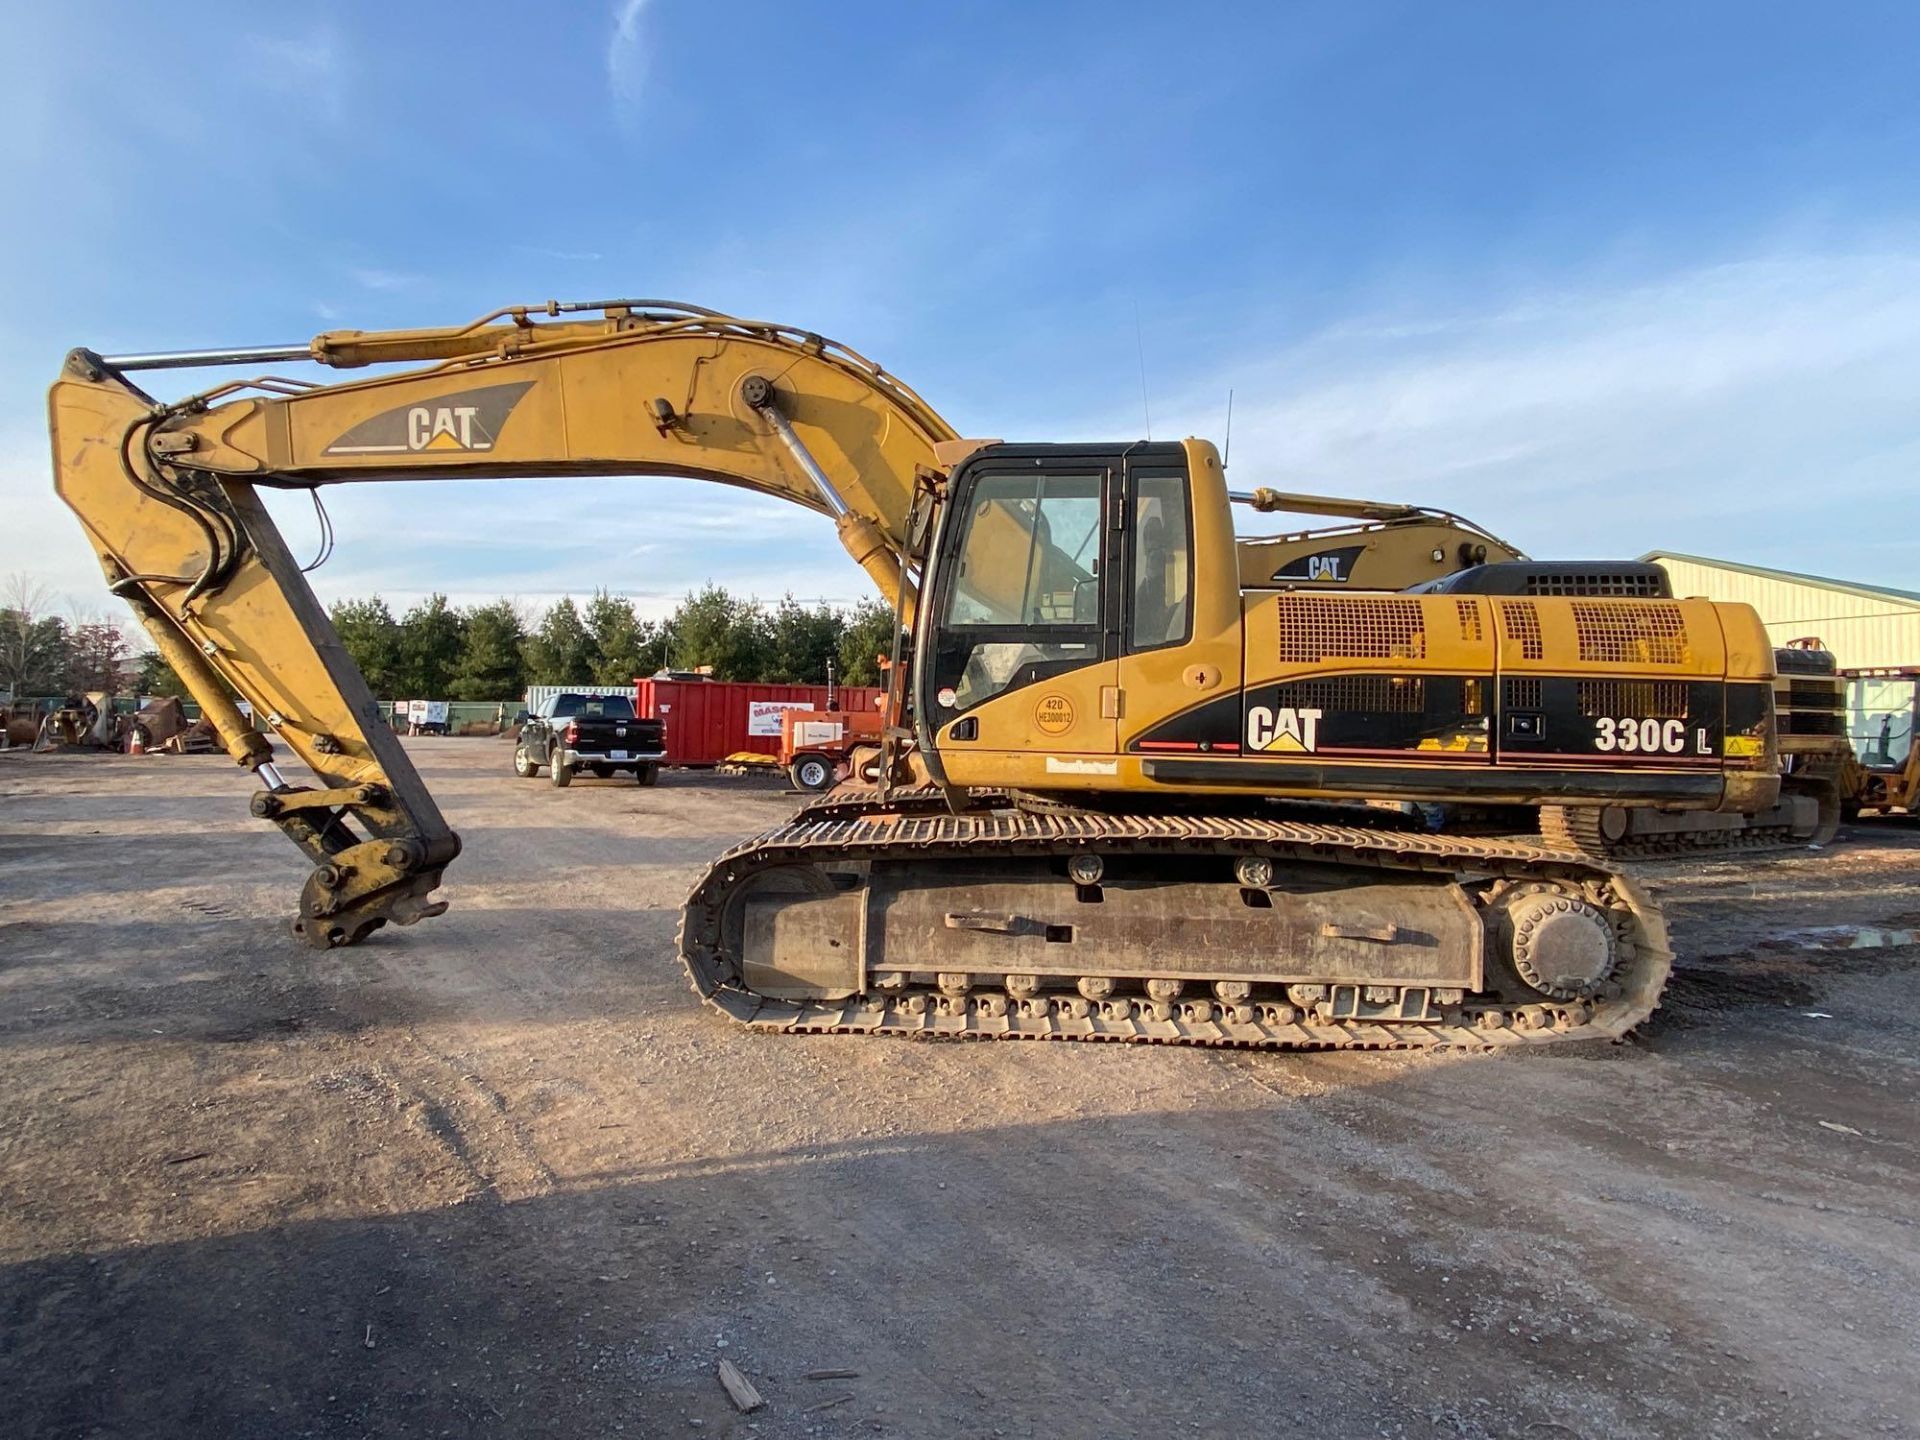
(1760, 410)
(313, 56)
(373, 278)
(627, 54)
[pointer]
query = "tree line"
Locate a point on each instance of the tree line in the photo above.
(44, 654)
(50, 655)
(436, 650)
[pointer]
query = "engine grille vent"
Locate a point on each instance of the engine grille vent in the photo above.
(1320, 627)
(1521, 620)
(1644, 634)
(1634, 584)
(1370, 694)
(1814, 695)
(1471, 630)
(1811, 722)
(1641, 699)
(1520, 692)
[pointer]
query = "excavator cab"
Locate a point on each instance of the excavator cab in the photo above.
(1055, 569)
(1024, 565)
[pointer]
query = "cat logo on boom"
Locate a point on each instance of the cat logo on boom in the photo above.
(463, 423)
(442, 428)
(1323, 567)
(1282, 728)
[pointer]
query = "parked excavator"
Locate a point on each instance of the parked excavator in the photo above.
(1087, 823)
(1408, 547)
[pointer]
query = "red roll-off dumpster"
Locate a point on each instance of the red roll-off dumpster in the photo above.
(708, 720)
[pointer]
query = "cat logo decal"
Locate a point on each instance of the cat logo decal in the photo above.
(464, 423)
(1282, 728)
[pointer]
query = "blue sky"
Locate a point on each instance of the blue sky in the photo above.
(1605, 278)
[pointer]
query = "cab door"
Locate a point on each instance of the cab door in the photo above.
(1158, 595)
(1021, 670)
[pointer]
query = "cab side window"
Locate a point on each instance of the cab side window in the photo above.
(1160, 603)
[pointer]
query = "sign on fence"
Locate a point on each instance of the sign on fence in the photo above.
(763, 716)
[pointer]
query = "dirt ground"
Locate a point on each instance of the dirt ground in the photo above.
(502, 1174)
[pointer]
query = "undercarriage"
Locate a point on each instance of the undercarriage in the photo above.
(1181, 929)
(1808, 814)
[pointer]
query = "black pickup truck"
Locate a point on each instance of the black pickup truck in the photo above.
(597, 733)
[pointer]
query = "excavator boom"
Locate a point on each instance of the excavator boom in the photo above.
(169, 497)
(1388, 546)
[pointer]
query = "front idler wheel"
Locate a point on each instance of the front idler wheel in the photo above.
(1562, 945)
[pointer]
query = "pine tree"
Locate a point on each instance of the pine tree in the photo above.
(623, 644)
(430, 645)
(491, 665)
(560, 651)
(33, 644)
(801, 640)
(713, 627)
(372, 639)
(867, 636)
(154, 676)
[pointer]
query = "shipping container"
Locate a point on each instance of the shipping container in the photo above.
(538, 694)
(708, 720)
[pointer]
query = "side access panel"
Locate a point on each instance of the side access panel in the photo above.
(1368, 678)
(1648, 692)
(993, 919)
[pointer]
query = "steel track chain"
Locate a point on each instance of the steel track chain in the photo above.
(1577, 829)
(855, 833)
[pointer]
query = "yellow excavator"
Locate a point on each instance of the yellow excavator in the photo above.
(1087, 822)
(1406, 547)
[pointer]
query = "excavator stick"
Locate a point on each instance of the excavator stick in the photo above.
(210, 579)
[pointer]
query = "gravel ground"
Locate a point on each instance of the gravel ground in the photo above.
(502, 1174)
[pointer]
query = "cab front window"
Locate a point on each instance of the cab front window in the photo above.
(1031, 555)
(1024, 598)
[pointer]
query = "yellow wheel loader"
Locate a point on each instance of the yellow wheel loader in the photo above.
(1088, 819)
(1884, 775)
